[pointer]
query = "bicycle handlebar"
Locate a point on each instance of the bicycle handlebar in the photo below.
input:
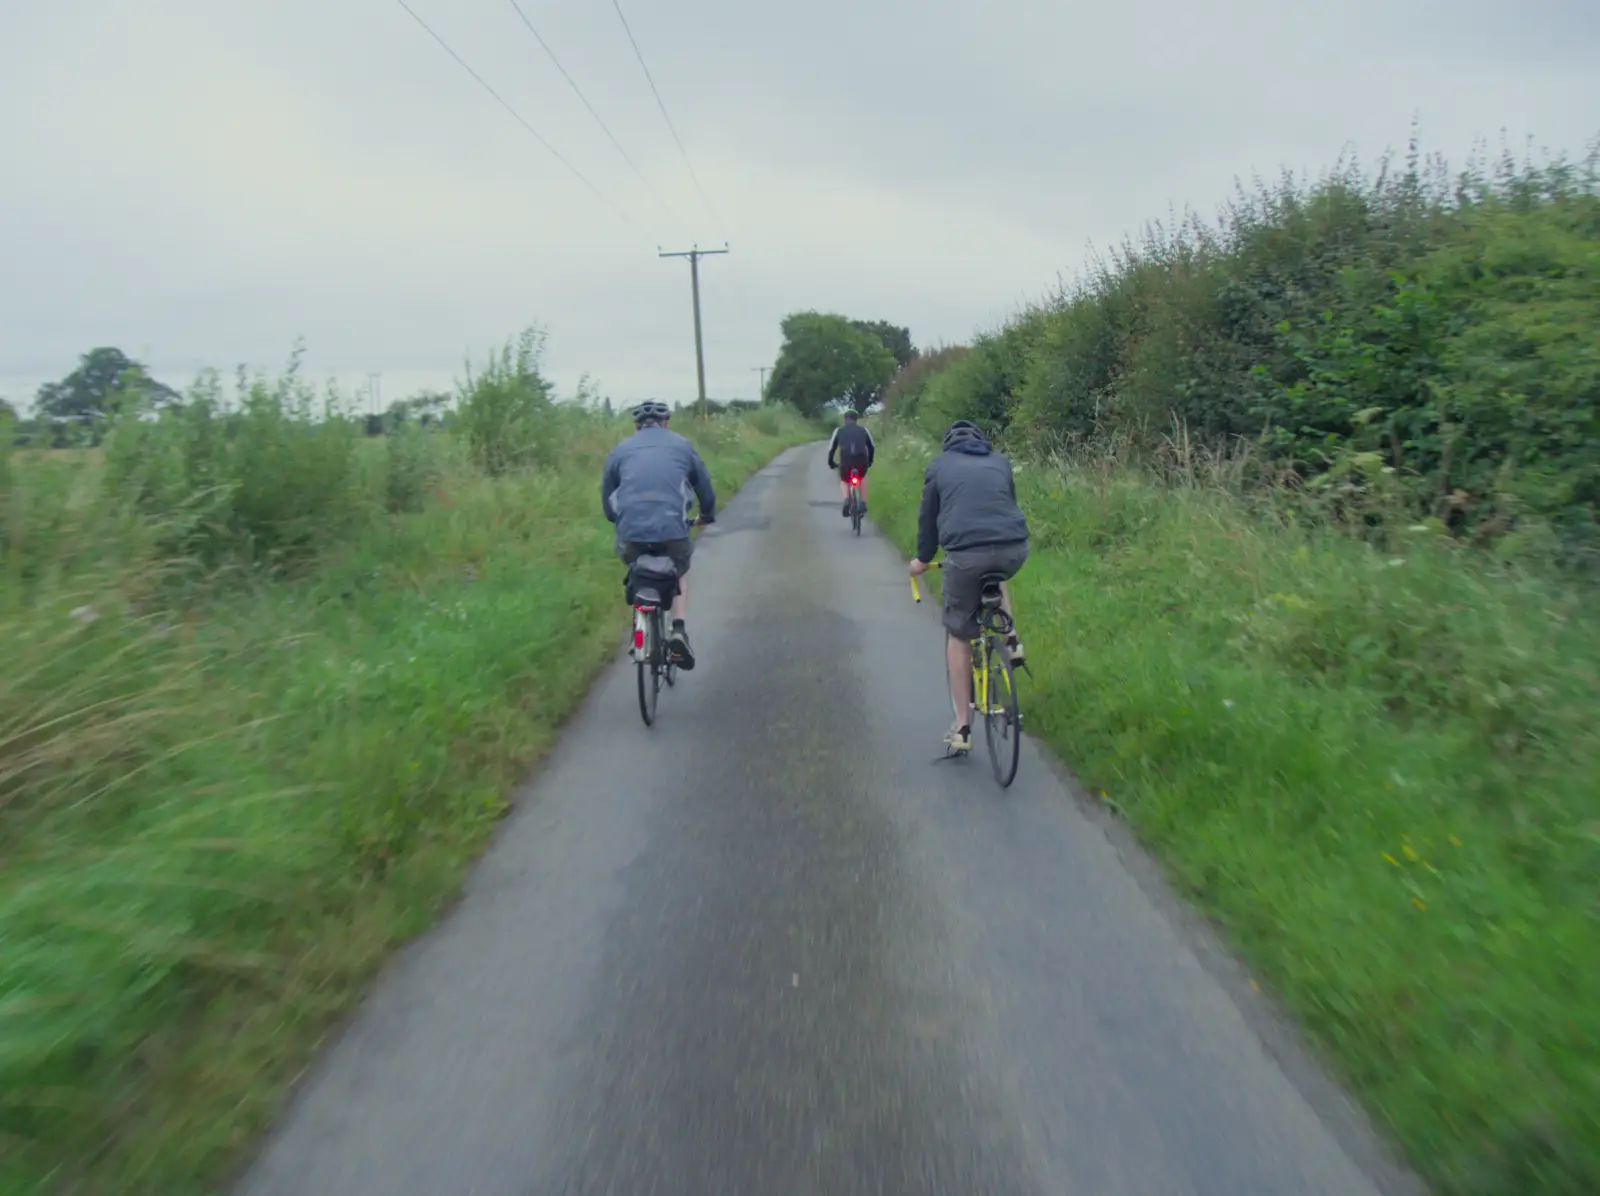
(916, 593)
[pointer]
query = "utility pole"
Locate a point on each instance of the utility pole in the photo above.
(762, 370)
(694, 255)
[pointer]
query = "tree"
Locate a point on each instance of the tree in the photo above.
(8, 413)
(425, 407)
(895, 339)
(85, 399)
(826, 358)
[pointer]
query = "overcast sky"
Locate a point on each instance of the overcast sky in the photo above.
(198, 182)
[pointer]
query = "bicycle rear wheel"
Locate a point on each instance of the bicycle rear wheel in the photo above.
(649, 671)
(1002, 716)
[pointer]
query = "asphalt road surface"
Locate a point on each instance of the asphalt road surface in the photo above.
(769, 947)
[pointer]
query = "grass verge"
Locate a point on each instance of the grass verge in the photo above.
(1378, 773)
(226, 798)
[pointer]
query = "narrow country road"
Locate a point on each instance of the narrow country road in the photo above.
(769, 948)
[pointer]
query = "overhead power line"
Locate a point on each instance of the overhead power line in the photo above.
(571, 82)
(660, 103)
(515, 114)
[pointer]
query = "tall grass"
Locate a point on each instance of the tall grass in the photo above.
(1374, 763)
(264, 686)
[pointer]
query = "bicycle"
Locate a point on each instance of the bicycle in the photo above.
(652, 584)
(857, 507)
(994, 682)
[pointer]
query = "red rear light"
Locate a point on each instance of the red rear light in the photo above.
(638, 637)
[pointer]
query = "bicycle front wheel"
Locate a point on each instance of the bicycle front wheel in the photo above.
(649, 674)
(1002, 716)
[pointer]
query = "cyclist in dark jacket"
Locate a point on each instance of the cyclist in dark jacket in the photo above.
(851, 448)
(644, 491)
(969, 508)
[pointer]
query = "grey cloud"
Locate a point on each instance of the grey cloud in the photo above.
(210, 181)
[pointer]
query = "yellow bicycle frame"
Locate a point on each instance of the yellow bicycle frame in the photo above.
(980, 671)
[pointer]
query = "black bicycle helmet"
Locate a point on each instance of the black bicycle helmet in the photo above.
(962, 429)
(651, 409)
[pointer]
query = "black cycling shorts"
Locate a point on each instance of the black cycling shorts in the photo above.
(962, 583)
(846, 466)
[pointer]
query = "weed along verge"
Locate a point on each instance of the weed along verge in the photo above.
(265, 683)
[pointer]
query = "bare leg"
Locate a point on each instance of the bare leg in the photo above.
(958, 661)
(863, 489)
(844, 490)
(678, 637)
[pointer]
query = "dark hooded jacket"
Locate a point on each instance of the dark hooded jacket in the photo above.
(969, 500)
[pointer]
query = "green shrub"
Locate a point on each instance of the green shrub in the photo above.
(505, 411)
(903, 395)
(263, 479)
(1448, 325)
(413, 465)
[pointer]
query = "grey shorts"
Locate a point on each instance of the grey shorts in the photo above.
(677, 551)
(963, 573)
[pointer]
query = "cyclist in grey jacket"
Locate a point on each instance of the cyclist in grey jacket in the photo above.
(643, 490)
(969, 508)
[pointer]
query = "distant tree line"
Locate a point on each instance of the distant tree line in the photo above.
(77, 411)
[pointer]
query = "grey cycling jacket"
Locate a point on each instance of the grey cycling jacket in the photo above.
(645, 481)
(969, 500)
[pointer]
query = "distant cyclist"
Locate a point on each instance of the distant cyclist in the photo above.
(851, 449)
(969, 508)
(643, 490)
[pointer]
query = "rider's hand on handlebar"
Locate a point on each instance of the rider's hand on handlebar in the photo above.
(917, 568)
(706, 520)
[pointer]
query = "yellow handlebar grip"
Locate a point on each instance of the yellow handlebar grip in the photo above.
(915, 593)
